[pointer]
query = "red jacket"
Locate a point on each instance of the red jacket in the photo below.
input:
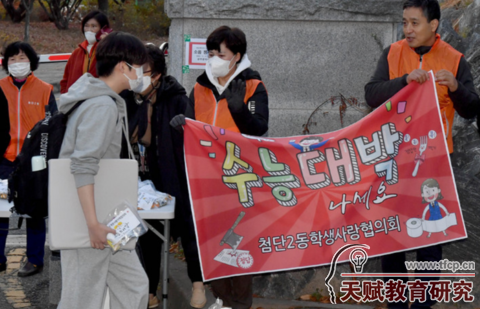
(80, 62)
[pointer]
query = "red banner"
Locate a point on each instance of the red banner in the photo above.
(272, 204)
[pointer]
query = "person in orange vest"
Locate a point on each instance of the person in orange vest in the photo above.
(407, 61)
(24, 100)
(83, 58)
(231, 96)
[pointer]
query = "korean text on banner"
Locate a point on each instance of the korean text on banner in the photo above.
(273, 204)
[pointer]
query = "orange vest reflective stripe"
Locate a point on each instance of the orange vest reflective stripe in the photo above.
(26, 107)
(403, 60)
(207, 110)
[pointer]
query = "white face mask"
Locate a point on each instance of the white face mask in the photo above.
(19, 69)
(136, 85)
(147, 80)
(219, 67)
(90, 36)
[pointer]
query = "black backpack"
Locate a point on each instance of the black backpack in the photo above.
(27, 189)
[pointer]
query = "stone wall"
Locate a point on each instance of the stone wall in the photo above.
(306, 51)
(309, 51)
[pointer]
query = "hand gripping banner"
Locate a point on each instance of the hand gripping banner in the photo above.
(272, 204)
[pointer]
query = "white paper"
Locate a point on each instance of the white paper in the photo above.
(4, 188)
(434, 226)
(227, 256)
(124, 223)
(149, 197)
(146, 200)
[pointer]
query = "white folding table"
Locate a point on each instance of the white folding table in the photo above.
(165, 214)
(5, 208)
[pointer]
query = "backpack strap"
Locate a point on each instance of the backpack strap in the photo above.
(74, 107)
(127, 138)
(124, 125)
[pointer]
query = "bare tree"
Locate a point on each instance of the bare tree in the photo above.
(28, 4)
(103, 6)
(15, 10)
(60, 11)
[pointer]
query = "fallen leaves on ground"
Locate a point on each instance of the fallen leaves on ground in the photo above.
(175, 248)
(45, 38)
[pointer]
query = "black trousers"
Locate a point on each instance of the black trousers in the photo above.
(236, 292)
(395, 263)
(151, 252)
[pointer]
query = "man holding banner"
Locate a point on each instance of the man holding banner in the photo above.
(409, 60)
(384, 184)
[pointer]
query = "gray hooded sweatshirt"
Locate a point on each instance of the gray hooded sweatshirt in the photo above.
(94, 129)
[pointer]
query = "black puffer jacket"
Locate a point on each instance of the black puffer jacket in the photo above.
(165, 154)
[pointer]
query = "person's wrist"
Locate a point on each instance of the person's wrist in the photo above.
(92, 224)
(454, 87)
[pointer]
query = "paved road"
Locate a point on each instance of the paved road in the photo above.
(30, 292)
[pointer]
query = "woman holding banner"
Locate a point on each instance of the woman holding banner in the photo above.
(241, 102)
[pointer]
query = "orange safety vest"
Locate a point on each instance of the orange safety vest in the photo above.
(208, 110)
(402, 59)
(26, 107)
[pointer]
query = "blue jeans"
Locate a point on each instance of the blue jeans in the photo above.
(36, 234)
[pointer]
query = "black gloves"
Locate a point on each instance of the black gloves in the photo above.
(177, 122)
(235, 96)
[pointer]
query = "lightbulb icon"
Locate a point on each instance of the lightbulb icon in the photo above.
(358, 258)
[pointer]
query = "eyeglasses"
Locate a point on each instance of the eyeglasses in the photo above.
(138, 71)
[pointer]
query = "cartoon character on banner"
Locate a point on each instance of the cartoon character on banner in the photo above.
(431, 194)
(234, 257)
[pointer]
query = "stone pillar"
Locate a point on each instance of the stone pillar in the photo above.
(306, 51)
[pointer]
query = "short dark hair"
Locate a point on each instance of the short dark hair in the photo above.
(15, 48)
(117, 47)
(234, 39)
(430, 8)
(98, 16)
(156, 60)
